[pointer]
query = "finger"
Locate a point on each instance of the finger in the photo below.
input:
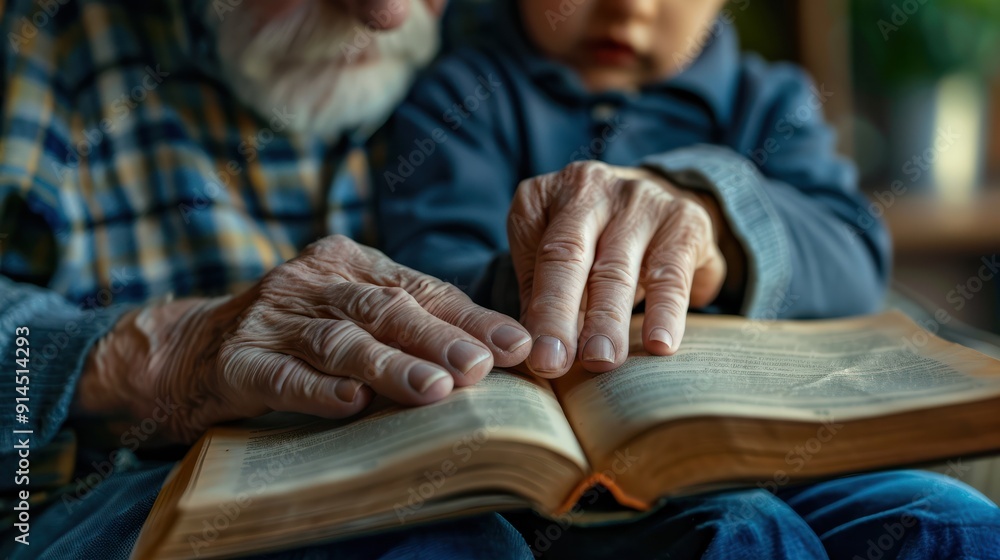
(613, 282)
(562, 266)
(681, 246)
(505, 338)
(343, 348)
(526, 223)
(286, 383)
(393, 316)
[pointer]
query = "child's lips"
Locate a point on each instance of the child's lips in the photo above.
(610, 52)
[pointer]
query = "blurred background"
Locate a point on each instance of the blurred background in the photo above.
(916, 100)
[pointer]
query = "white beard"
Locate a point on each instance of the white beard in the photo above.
(321, 65)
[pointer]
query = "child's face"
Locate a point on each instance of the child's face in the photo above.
(620, 44)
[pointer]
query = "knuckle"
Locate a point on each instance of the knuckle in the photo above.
(671, 306)
(282, 378)
(612, 270)
(586, 166)
(518, 227)
(603, 312)
(330, 245)
(558, 303)
(567, 250)
(529, 195)
(377, 361)
(638, 191)
(674, 272)
(524, 187)
(580, 167)
(340, 243)
(425, 288)
(393, 298)
(280, 278)
(331, 341)
(586, 176)
(380, 304)
(693, 213)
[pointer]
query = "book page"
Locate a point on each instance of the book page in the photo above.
(307, 451)
(807, 371)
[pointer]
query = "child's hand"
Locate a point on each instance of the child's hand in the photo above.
(615, 235)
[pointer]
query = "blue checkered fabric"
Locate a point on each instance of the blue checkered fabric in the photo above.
(127, 170)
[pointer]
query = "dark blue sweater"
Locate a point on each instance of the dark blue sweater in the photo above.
(752, 133)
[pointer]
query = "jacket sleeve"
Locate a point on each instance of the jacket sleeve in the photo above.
(44, 341)
(813, 247)
(441, 195)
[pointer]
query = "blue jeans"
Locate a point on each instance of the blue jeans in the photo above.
(882, 516)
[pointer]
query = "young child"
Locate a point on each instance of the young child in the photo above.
(653, 83)
(661, 84)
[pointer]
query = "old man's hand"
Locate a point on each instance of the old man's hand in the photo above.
(319, 335)
(597, 239)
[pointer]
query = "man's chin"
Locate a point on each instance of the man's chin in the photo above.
(328, 101)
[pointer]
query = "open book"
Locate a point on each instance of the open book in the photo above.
(742, 403)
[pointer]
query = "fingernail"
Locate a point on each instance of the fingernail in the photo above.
(662, 336)
(548, 354)
(423, 377)
(347, 390)
(463, 355)
(509, 338)
(599, 349)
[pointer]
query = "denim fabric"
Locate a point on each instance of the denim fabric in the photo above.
(902, 514)
(882, 516)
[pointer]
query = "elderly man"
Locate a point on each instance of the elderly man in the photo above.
(157, 161)
(170, 175)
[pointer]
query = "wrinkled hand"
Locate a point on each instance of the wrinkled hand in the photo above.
(316, 335)
(597, 239)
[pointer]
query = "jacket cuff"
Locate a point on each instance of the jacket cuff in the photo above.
(740, 189)
(59, 337)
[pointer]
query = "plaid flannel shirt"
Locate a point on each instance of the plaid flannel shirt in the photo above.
(128, 170)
